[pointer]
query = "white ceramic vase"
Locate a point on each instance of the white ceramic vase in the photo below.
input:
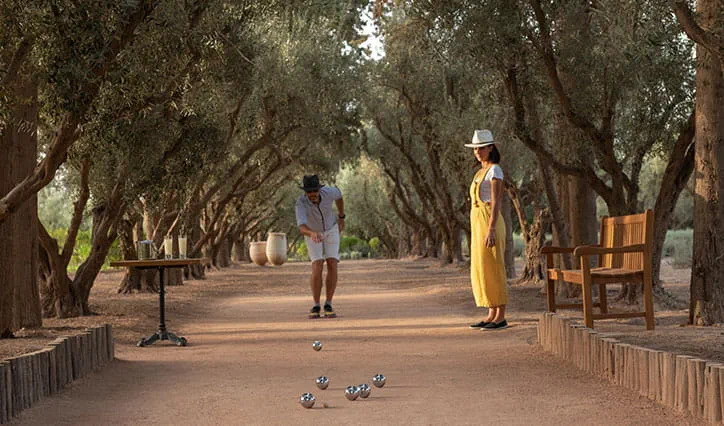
(257, 252)
(276, 248)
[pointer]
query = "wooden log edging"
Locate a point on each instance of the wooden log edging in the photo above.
(681, 382)
(27, 378)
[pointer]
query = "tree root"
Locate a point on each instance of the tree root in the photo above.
(621, 294)
(662, 296)
(631, 296)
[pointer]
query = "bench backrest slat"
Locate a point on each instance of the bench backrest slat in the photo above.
(622, 231)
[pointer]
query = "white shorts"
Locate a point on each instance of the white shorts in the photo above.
(327, 248)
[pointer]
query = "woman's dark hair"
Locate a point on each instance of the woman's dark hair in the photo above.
(494, 156)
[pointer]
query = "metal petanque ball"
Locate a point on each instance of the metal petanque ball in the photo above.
(364, 390)
(379, 380)
(322, 382)
(352, 392)
(317, 345)
(307, 400)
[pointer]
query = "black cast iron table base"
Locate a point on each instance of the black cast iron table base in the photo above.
(162, 333)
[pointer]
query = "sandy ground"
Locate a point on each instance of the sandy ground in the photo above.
(250, 356)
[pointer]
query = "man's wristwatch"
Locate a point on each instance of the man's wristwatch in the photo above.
(341, 216)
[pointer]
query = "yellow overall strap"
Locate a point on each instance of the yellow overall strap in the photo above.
(477, 185)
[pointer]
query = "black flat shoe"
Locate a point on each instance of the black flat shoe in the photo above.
(328, 311)
(314, 312)
(495, 325)
(480, 324)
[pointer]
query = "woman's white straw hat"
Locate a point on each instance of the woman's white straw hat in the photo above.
(481, 138)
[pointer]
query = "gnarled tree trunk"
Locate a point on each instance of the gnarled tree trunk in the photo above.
(582, 213)
(583, 223)
(676, 177)
(56, 288)
(560, 204)
(509, 242)
(19, 297)
(707, 271)
(106, 218)
(198, 271)
(533, 235)
(238, 251)
(222, 257)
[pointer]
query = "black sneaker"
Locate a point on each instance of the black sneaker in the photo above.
(480, 324)
(495, 325)
(314, 312)
(328, 311)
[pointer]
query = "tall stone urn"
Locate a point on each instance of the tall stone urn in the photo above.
(257, 252)
(276, 248)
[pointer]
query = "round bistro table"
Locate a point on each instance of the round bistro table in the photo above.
(161, 264)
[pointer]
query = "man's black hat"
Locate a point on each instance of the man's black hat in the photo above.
(310, 183)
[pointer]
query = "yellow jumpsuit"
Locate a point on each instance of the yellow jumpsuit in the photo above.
(487, 264)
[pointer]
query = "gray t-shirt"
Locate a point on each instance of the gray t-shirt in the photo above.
(319, 217)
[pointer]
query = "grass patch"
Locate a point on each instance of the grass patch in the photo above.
(518, 245)
(679, 244)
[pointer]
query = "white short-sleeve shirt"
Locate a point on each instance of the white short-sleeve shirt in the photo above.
(319, 217)
(494, 172)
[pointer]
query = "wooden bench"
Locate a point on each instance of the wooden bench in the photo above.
(624, 256)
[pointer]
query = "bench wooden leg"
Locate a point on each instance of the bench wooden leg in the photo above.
(550, 285)
(551, 294)
(603, 298)
(587, 290)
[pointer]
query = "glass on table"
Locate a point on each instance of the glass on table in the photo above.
(182, 246)
(168, 246)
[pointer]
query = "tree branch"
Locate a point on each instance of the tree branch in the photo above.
(695, 32)
(523, 133)
(602, 139)
(78, 209)
(23, 50)
(69, 130)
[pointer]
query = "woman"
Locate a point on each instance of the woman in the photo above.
(487, 245)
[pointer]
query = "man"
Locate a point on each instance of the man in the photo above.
(321, 226)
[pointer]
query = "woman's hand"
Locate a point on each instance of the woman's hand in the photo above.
(490, 238)
(317, 237)
(340, 223)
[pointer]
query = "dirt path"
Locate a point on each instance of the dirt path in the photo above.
(250, 358)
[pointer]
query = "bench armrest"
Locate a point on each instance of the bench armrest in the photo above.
(554, 249)
(592, 250)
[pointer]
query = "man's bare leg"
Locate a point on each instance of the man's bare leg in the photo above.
(331, 281)
(316, 280)
(330, 285)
